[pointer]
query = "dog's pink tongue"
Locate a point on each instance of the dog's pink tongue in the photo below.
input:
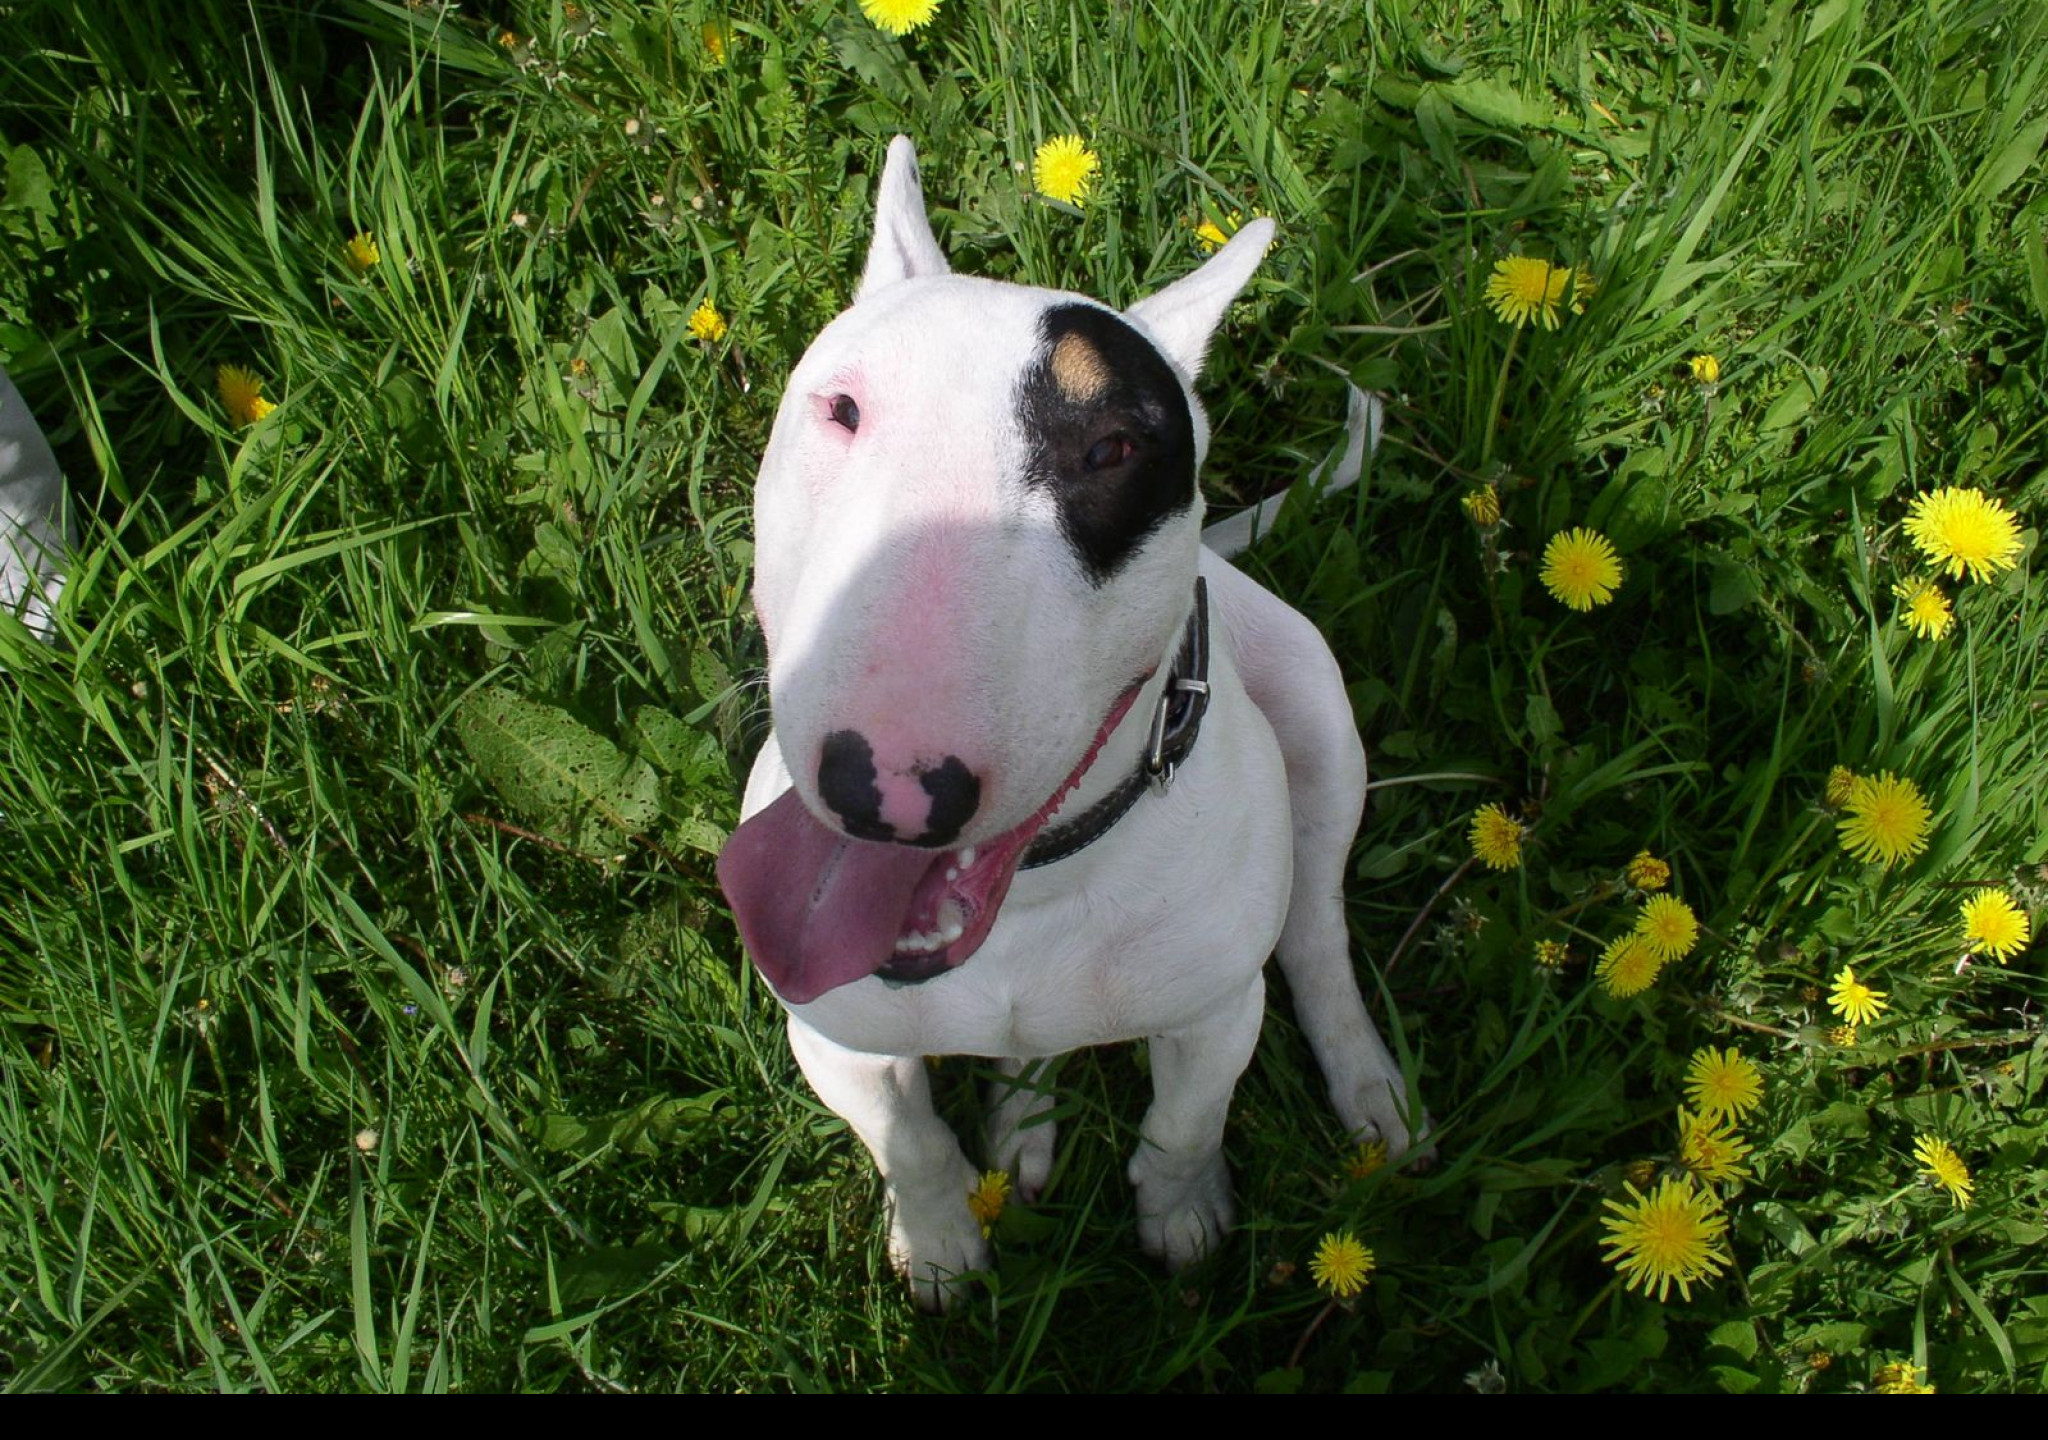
(816, 909)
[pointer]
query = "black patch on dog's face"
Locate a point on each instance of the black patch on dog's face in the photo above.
(1109, 434)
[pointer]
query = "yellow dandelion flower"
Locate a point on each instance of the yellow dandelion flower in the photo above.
(1496, 837)
(1842, 1035)
(1900, 1378)
(707, 324)
(1580, 568)
(1819, 1360)
(1064, 169)
(986, 1200)
(716, 37)
(1993, 924)
(1211, 236)
(509, 40)
(1552, 954)
(1668, 926)
(1709, 1147)
(1925, 611)
(1854, 1001)
(1705, 369)
(1482, 507)
(1628, 966)
(1521, 289)
(1965, 531)
(241, 392)
(1341, 1265)
(1886, 819)
(1841, 785)
(900, 17)
(1674, 1236)
(361, 254)
(1647, 872)
(1940, 1163)
(1723, 1084)
(1366, 1159)
(1583, 288)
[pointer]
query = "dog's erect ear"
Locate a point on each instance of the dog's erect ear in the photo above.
(903, 248)
(1186, 313)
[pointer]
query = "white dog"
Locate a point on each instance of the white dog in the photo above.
(1045, 773)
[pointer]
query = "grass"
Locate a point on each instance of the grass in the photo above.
(369, 1015)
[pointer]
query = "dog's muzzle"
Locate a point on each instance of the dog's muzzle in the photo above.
(820, 907)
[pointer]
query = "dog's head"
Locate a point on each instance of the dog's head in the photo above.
(976, 526)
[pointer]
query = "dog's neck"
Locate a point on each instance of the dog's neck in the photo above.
(1124, 752)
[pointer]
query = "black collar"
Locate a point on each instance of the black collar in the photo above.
(1176, 721)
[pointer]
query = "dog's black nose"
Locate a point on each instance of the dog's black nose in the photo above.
(956, 795)
(918, 804)
(847, 782)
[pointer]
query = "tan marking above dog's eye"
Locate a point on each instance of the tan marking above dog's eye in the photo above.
(1079, 369)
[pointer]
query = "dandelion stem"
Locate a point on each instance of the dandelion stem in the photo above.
(1423, 914)
(1314, 1325)
(1605, 890)
(1709, 1007)
(1980, 1042)
(1591, 1305)
(517, 832)
(1422, 779)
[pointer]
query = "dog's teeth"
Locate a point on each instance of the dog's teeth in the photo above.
(952, 872)
(952, 922)
(967, 857)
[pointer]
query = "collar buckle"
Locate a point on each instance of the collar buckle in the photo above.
(1159, 770)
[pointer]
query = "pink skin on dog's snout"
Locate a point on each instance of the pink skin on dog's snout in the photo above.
(912, 693)
(906, 805)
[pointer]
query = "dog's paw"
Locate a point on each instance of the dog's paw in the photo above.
(1375, 1113)
(1184, 1209)
(1020, 1145)
(934, 1240)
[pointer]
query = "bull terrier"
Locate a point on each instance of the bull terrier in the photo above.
(1045, 772)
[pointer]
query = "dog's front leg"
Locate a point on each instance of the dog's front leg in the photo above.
(1020, 1127)
(1184, 1201)
(887, 1099)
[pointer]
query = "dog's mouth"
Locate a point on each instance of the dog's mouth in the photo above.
(818, 910)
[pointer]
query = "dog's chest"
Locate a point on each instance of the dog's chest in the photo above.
(1057, 976)
(1125, 940)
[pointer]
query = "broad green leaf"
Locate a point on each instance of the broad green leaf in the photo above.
(2036, 251)
(708, 675)
(1495, 102)
(1734, 586)
(691, 755)
(1738, 1336)
(2013, 159)
(1791, 406)
(556, 772)
(28, 184)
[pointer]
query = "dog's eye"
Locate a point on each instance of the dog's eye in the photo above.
(845, 413)
(1109, 450)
